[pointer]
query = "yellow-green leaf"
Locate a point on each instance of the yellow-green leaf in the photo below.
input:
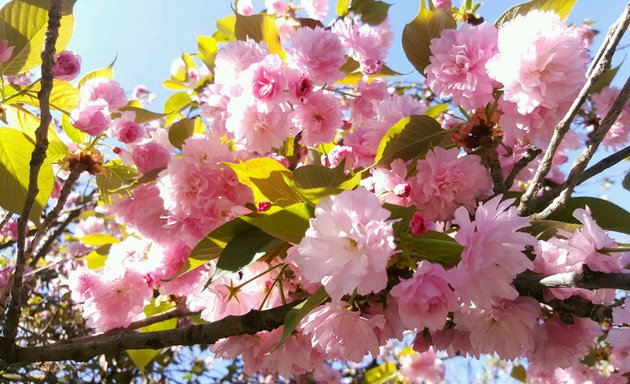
(23, 23)
(16, 149)
(26, 122)
(417, 35)
(372, 12)
(342, 7)
(96, 259)
(208, 49)
(143, 116)
(116, 177)
(74, 134)
(261, 28)
(297, 313)
(225, 29)
(107, 72)
(380, 374)
(519, 373)
(183, 129)
(177, 102)
(64, 96)
(561, 7)
(142, 357)
(98, 239)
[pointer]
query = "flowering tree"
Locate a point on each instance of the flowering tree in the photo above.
(296, 211)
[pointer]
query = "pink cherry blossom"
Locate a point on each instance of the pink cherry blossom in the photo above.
(214, 108)
(389, 184)
(67, 65)
(92, 118)
(318, 118)
(266, 80)
(245, 7)
(257, 129)
(457, 66)
(445, 181)
(144, 211)
(340, 333)
(348, 244)
(5, 51)
(442, 4)
(423, 367)
(545, 68)
(317, 53)
(236, 57)
(105, 89)
(316, 9)
(619, 133)
(425, 300)
(150, 156)
(126, 129)
(367, 44)
(276, 6)
(420, 224)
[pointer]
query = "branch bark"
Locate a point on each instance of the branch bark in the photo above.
(604, 164)
(37, 159)
(599, 65)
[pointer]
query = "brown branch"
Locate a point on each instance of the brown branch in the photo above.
(5, 220)
(532, 284)
(604, 164)
(529, 156)
(598, 67)
(45, 248)
(583, 159)
(85, 349)
(37, 159)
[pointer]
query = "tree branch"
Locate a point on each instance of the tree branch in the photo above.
(531, 284)
(604, 164)
(582, 160)
(529, 156)
(37, 159)
(598, 67)
(86, 348)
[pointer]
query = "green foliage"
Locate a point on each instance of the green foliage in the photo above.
(353, 72)
(261, 28)
(245, 248)
(116, 178)
(519, 373)
(177, 102)
(96, 258)
(410, 138)
(546, 229)
(27, 123)
(225, 29)
(212, 245)
(208, 48)
(74, 134)
(437, 247)
(626, 181)
(16, 149)
(183, 129)
(381, 374)
(142, 357)
(607, 215)
(403, 216)
(64, 96)
(142, 115)
(417, 35)
(23, 23)
(372, 12)
(342, 7)
(288, 223)
(107, 72)
(316, 181)
(297, 313)
(561, 7)
(98, 239)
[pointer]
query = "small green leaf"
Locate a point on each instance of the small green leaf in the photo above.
(561, 7)
(410, 138)
(438, 247)
(403, 215)
(417, 35)
(288, 223)
(211, 246)
(96, 258)
(177, 102)
(354, 74)
(142, 115)
(519, 373)
(626, 181)
(64, 96)
(98, 239)
(265, 177)
(435, 110)
(373, 12)
(245, 248)
(301, 310)
(342, 7)
(27, 122)
(261, 28)
(316, 181)
(182, 130)
(107, 72)
(225, 29)
(609, 216)
(23, 23)
(546, 229)
(116, 178)
(74, 134)
(208, 49)
(16, 149)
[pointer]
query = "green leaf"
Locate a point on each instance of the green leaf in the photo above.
(245, 248)
(626, 181)
(265, 177)
(604, 80)
(561, 7)
(261, 28)
(609, 216)
(74, 134)
(373, 12)
(28, 123)
(183, 129)
(410, 138)
(16, 149)
(435, 110)
(519, 373)
(342, 7)
(208, 49)
(546, 229)
(177, 102)
(98, 239)
(288, 223)
(115, 178)
(142, 357)
(402, 214)
(96, 259)
(64, 96)
(212, 245)
(297, 313)
(438, 247)
(107, 72)
(23, 23)
(353, 73)
(142, 115)
(225, 29)
(417, 35)
(316, 181)
(380, 374)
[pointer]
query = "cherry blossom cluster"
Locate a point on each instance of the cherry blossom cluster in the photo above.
(378, 285)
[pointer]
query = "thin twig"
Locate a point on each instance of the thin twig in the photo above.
(604, 164)
(582, 160)
(529, 156)
(5, 220)
(37, 159)
(598, 67)
(52, 238)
